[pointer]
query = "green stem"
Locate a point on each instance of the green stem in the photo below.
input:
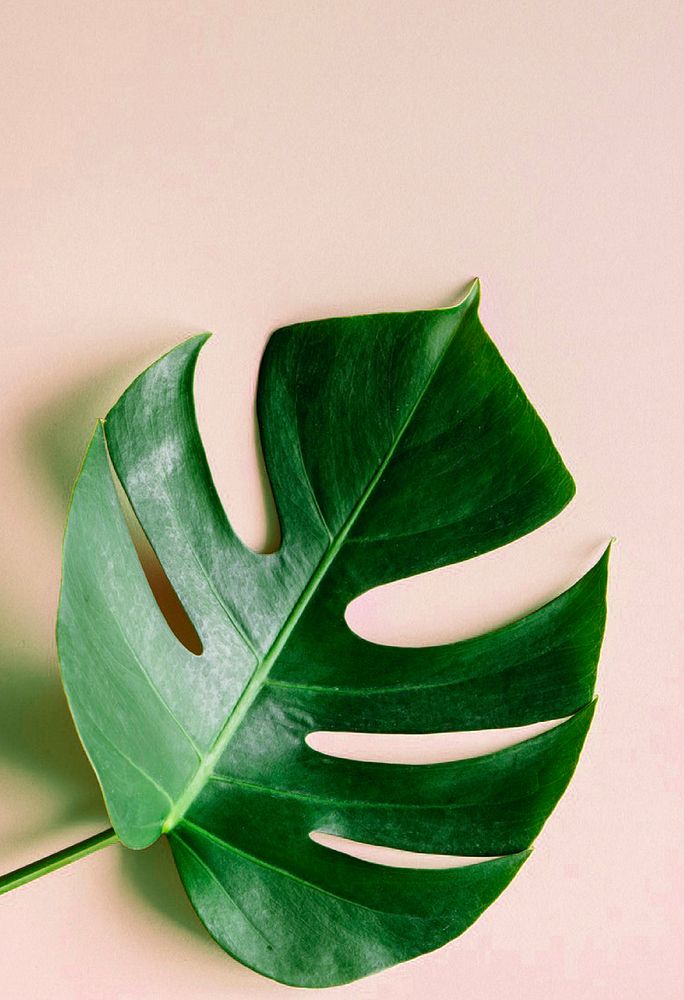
(12, 880)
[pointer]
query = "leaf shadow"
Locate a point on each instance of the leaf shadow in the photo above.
(152, 874)
(37, 734)
(56, 433)
(38, 737)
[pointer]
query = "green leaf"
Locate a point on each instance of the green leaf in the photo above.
(395, 443)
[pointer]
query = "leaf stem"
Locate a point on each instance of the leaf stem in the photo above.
(12, 880)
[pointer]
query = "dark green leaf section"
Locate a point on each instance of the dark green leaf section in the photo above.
(542, 666)
(287, 926)
(395, 443)
(495, 804)
(241, 877)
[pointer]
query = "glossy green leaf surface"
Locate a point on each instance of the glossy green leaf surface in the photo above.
(395, 443)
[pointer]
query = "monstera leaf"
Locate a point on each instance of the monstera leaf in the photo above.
(395, 443)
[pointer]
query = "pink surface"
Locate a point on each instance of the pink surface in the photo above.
(170, 167)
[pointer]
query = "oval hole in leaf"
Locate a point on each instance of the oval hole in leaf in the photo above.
(423, 748)
(392, 856)
(166, 597)
(470, 598)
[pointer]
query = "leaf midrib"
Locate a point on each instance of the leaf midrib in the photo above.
(256, 681)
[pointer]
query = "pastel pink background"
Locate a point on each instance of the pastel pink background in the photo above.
(168, 167)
